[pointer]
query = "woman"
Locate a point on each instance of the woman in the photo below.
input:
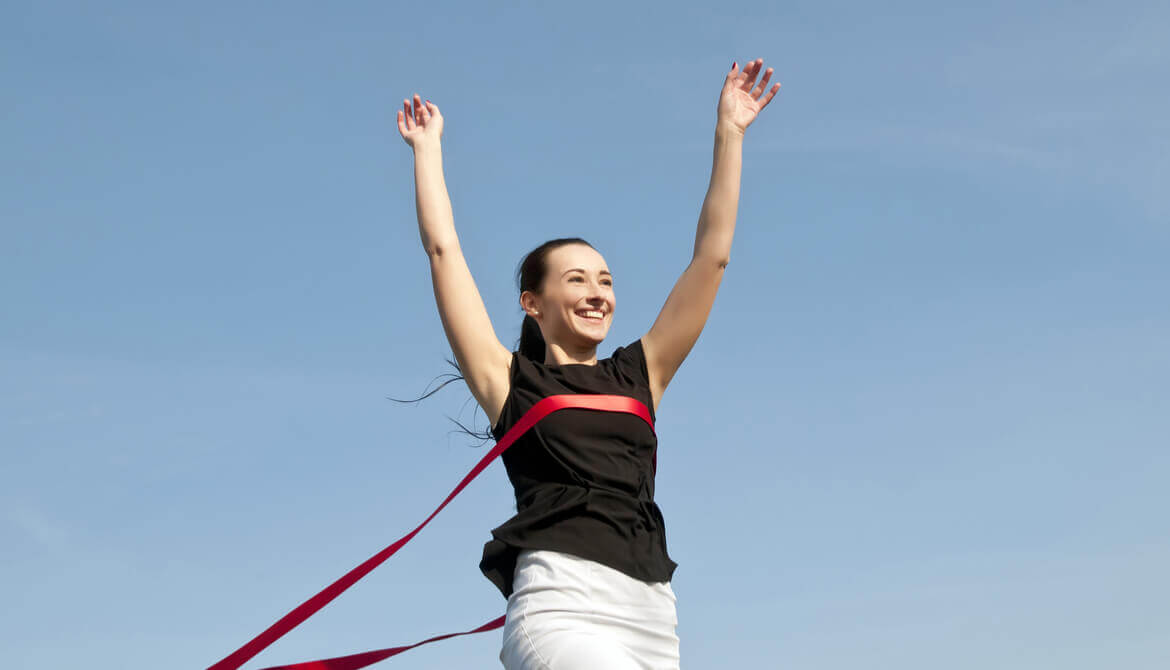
(583, 563)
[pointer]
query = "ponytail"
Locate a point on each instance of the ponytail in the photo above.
(532, 344)
(529, 277)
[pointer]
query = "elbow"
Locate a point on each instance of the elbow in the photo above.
(718, 262)
(440, 248)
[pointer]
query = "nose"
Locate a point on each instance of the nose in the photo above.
(598, 296)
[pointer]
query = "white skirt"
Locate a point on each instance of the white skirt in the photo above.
(570, 613)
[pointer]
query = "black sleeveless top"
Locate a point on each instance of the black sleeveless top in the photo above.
(584, 479)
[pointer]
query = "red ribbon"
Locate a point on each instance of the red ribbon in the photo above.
(546, 406)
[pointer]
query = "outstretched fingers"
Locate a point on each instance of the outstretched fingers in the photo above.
(765, 99)
(763, 85)
(406, 117)
(758, 91)
(409, 118)
(768, 98)
(747, 76)
(422, 114)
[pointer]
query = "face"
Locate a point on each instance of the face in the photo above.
(577, 285)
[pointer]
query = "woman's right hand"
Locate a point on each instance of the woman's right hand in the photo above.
(421, 125)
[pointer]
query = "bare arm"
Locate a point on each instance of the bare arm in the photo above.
(685, 313)
(482, 358)
(432, 203)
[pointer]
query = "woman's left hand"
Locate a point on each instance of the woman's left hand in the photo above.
(741, 98)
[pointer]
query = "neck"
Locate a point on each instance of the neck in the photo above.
(555, 355)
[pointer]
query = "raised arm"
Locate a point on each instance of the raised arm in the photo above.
(685, 313)
(481, 357)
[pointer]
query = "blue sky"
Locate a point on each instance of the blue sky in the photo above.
(926, 424)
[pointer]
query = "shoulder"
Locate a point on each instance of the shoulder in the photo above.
(629, 362)
(631, 359)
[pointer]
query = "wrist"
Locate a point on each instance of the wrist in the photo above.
(728, 130)
(428, 147)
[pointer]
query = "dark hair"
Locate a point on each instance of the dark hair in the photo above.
(529, 277)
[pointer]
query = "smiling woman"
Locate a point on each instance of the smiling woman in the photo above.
(583, 563)
(567, 290)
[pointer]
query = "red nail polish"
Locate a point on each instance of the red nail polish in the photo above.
(733, 64)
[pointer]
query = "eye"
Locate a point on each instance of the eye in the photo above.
(605, 282)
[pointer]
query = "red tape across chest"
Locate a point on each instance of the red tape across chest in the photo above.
(546, 406)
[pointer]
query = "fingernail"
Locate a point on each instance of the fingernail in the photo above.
(733, 64)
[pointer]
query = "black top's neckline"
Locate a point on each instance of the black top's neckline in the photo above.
(572, 365)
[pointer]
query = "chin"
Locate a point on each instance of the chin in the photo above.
(593, 340)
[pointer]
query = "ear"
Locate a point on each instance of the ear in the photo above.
(530, 304)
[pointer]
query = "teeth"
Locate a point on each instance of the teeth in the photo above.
(592, 315)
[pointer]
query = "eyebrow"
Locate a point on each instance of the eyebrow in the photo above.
(604, 272)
